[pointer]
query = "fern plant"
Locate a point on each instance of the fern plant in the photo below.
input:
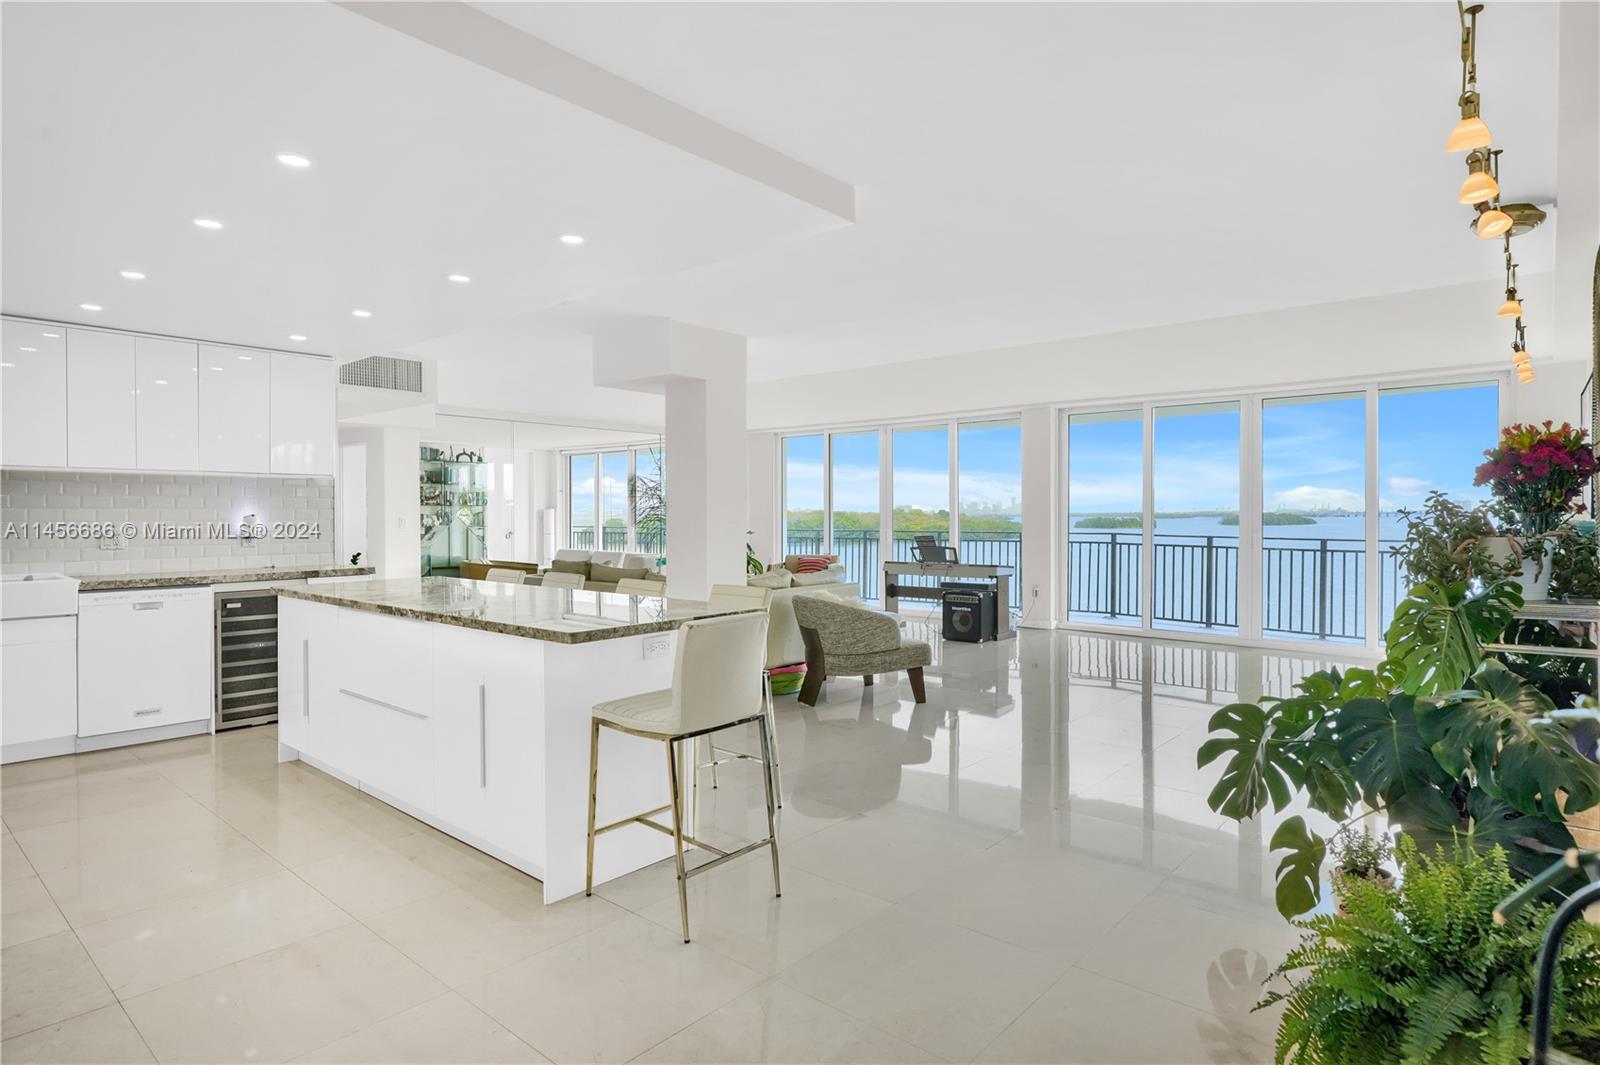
(1423, 974)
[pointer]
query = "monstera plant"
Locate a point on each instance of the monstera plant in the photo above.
(1448, 744)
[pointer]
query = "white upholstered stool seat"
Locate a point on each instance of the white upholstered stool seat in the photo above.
(647, 712)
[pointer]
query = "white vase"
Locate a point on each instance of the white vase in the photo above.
(1534, 577)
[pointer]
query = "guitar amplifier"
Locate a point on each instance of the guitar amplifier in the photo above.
(971, 612)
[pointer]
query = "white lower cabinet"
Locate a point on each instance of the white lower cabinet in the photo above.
(487, 733)
(382, 716)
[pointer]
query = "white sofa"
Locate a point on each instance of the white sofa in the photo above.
(784, 645)
(643, 564)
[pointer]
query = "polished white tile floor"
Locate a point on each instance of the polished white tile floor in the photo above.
(1021, 869)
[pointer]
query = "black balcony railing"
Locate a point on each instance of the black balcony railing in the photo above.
(1311, 588)
(858, 550)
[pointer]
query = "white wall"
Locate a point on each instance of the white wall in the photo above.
(1430, 331)
(394, 544)
(763, 496)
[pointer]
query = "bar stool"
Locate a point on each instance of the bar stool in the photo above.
(710, 692)
(557, 579)
(735, 596)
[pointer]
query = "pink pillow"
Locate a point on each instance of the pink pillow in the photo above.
(812, 563)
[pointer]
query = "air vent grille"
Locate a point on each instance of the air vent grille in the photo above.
(383, 371)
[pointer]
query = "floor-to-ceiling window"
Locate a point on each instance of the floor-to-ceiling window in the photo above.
(614, 511)
(649, 490)
(581, 482)
(1105, 519)
(921, 487)
(1195, 539)
(853, 506)
(1313, 516)
(989, 496)
(616, 500)
(1319, 479)
(803, 502)
(1430, 439)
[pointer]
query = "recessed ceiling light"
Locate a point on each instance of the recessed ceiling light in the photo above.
(299, 162)
(208, 223)
(571, 238)
(217, 368)
(244, 358)
(7, 365)
(159, 381)
(460, 279)
(52, 336)
(362, 314)
(29, 349)
(91, 307)
(133, 275)
(296, 337)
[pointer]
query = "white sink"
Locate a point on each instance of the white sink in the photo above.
(37, 595)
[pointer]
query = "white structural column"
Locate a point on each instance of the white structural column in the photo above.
(1041, 516)
(702, 374)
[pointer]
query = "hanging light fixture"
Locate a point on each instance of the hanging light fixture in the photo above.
(1512, 307)
(1480, 185)
(1470, 132)
(1492, 222)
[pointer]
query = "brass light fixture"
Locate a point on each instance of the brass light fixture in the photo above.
(1470, 132)
(1480, 185)
(1512, 307)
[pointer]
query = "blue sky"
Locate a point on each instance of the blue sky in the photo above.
(1313, 452)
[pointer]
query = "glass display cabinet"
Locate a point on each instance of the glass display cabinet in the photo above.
(454, 498)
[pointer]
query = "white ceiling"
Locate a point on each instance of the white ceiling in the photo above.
(1023, 172)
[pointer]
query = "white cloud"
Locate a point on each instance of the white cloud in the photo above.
(1311, 497)
(1409, 487)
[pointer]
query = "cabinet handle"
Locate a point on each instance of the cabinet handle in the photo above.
(380, 702)
(305, 678)
(147, 713)
(483, 737)
(148, 606)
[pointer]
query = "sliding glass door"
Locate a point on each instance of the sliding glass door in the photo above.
(649, 491)
(921, 491)
(1314, 517)
(853, 507)
(989, 496)
(1105, 518)
(1265, 516)
(581, 501)
(803, 503)
(617, 500)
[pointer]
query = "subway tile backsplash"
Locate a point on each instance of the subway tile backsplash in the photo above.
(177, 521)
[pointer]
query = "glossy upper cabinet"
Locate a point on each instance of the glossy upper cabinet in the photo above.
(302, 415)
(165, 398)
(33, 392)
(235, 410)
(100, 400)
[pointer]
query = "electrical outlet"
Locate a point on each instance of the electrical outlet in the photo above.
(656, 647)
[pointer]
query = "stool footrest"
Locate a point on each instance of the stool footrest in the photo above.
(727, 856)
(637, 819)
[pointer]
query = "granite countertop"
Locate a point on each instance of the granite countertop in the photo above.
(194, 578)
(556, 615)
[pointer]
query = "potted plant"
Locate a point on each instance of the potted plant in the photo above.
(1425, 973)
(1359, 855)
(1536, 474)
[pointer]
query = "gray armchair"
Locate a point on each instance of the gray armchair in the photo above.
(845, 640)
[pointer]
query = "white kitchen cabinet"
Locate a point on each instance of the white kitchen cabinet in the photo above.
(235, 410)
(144, 659)
(166, 404)
(384, 712)
(305, 650)
(38, 686)
(100, 400)
(33, 391)
(302, 431)
(485, 729)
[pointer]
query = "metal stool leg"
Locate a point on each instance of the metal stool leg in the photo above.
(776, 787)
(677, 835)
(772, 828)
(594, 787)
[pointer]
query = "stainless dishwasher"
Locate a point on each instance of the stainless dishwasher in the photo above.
(247, 658)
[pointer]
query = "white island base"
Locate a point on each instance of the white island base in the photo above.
(483, 735)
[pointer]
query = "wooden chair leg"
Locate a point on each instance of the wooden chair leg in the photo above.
(868, 679)
(816, 667)
(812, 687)
(594, 786)
(677, 834)
(918, 692)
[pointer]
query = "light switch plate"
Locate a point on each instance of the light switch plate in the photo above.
(656, 647)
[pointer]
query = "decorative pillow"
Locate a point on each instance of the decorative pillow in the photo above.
(600, 572)
(562, 565)
(778, 578)
(811, 563)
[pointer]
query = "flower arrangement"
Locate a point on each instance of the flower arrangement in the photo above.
(1537, 472)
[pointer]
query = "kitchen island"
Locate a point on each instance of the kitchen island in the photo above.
(466, 704)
